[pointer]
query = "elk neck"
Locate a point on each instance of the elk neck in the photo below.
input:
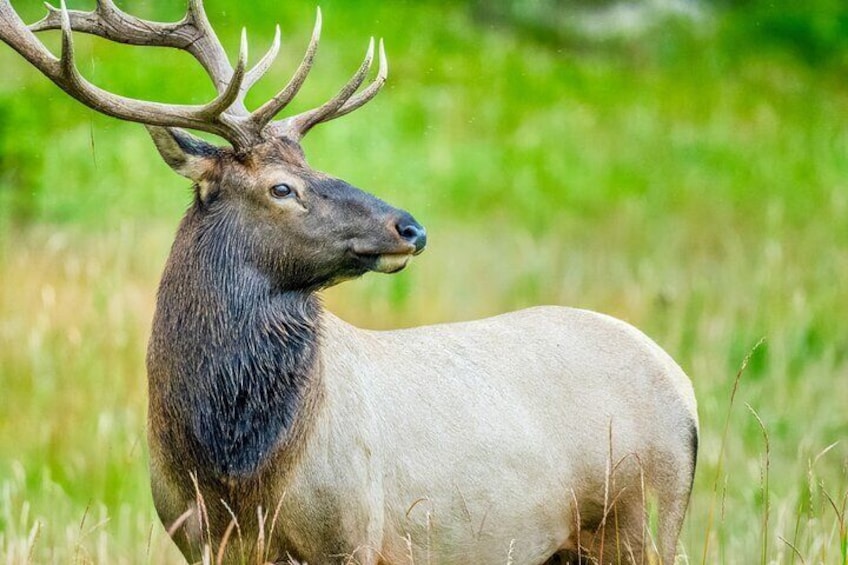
(232, 355)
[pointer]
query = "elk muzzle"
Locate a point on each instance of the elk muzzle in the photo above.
(408, 239)
(412, 232)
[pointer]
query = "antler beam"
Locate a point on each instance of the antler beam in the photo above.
(193, 33)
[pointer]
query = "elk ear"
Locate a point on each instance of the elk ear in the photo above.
(187, 154)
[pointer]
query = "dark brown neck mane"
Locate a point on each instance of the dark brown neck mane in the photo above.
(231, 353)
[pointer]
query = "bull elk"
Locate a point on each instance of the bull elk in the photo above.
(529, 437)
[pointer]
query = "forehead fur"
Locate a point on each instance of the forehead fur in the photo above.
(233, 170)
(276, 151)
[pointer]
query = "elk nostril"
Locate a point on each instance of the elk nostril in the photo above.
(412, 232)
(409, 232)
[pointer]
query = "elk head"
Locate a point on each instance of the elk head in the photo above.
(302, 228)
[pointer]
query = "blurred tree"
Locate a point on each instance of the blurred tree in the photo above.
(588, 21)
(815, 31)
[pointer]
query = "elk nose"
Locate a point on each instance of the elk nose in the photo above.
(412, 232)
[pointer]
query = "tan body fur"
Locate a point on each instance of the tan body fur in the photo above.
(482, 442)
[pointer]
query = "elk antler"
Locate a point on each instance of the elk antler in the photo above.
(343, 103)
(226, 115)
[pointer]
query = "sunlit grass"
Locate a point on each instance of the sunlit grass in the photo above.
(75, 323)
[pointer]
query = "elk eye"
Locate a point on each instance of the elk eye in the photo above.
(281, 191)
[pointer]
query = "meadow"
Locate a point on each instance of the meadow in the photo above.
(692, 181)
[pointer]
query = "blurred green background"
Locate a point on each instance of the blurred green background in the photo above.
(681, 165)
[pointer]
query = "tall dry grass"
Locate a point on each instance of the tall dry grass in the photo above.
(75, 311)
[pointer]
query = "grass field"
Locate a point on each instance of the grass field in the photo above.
(694, 184)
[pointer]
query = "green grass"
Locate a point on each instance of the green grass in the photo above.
(694, 185)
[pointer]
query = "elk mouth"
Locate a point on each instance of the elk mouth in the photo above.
(389, 262)
(385, 262)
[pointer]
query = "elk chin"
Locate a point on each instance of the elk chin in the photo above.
(391, 262)
(383, 262)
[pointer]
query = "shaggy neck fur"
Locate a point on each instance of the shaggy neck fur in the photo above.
(231, 354)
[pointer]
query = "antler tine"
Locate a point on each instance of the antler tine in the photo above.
(370, 91)
(265, 113)
(109, 9)
(260, 68)
(107, 6)
(298, 125)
